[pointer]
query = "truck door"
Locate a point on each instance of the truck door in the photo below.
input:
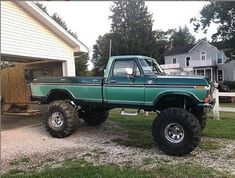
(125, 84)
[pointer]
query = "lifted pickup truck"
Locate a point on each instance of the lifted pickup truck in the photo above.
(180, 102)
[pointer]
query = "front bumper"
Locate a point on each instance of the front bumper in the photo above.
(207, 107)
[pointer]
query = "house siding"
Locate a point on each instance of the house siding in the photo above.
(229, 71)
(23, 35)
(211, 53)
(180, 58)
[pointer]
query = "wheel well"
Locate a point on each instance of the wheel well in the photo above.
(59, 95)
(174, 100)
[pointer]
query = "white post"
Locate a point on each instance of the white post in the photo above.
(110, 48)
(64, 69)
(216, 115)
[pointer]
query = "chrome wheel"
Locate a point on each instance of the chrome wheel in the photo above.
(57, 119)
(174, 133)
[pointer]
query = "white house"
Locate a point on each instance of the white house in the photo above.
(200, 59)
(30, 35)
(36, 44)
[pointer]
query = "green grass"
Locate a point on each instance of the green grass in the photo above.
(208, 145)
(138, 129)
(224, 128)
(21, 160)
(229, 105)
(82, 169)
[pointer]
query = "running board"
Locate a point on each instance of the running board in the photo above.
(123, 113)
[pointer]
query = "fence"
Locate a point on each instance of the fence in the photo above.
(217, 108)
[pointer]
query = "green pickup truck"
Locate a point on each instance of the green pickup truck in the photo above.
(180, 102)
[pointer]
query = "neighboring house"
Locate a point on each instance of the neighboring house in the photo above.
(37, 45)
(201, 59)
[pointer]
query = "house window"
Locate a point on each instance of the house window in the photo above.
(203, 55)
(219, 58)
(220, 75)
(174, 61)
(187, 59)
(201, 72)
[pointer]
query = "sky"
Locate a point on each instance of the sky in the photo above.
(89, 19)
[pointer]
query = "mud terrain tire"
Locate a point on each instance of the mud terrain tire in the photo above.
(176, 131)
(62, 119)
(96, 117)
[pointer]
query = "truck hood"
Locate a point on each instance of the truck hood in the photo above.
(178, 80)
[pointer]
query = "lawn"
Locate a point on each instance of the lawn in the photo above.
(137, 130)
(224, 128)
(229, 105)
(83, 169)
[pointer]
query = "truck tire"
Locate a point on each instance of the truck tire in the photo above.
(96, 118)
(62, 119)
(203, 121)
(176, 131)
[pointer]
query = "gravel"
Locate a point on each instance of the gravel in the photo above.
(94, 145)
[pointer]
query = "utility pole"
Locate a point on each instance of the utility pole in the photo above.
(110, 48)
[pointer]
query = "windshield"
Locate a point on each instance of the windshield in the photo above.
(151, 67)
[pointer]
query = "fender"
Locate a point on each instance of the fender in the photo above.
(177, 93)
(64, 91)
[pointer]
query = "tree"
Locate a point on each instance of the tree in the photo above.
(162, 42)
(58, 19)
(221, 13)
(181, 37)
(81, 60)
(101, 53)
(131, 33)
(62, 23)
(42, 7)
(133, 23)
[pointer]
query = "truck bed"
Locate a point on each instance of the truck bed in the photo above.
(72, 80)
(83, 89)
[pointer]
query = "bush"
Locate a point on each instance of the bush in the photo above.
(230, 84)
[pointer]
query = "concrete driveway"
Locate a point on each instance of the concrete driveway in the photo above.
(13, 122)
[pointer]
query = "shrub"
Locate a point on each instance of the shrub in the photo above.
(230, 84)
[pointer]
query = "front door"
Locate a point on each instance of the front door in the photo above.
(208, 73)
(125, 84)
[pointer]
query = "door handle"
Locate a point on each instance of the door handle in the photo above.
(112, 81)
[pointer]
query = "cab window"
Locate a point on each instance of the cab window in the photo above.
(125, 68)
